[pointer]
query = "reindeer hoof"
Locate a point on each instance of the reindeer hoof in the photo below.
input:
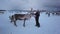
(16, 25)
(10, 21)
(23, 25)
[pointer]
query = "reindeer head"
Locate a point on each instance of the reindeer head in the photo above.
(11, 18)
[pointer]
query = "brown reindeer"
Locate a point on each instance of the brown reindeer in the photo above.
(16, 17)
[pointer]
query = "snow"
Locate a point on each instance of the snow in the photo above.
(49, 25)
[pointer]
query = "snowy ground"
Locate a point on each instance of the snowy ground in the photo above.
(49, 25)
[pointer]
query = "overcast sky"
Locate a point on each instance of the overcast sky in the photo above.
(27, 4)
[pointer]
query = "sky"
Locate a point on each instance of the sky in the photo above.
(27, 4)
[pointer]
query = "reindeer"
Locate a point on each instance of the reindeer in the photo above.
(16, 17)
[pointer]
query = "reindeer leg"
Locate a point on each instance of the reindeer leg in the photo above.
(24, 23)
(11, 21)
(15, 23)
